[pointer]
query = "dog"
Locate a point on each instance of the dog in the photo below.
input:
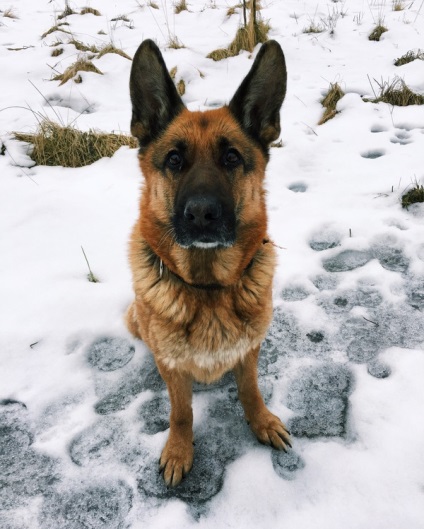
(201, 261)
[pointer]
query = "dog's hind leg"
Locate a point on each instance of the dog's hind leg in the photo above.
(177, 456)
(265, 425)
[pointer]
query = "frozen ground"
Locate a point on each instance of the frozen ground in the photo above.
(83, 412)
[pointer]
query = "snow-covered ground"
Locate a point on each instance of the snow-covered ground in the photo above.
(83, 412)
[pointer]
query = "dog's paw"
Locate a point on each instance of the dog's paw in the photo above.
(271, 431)
(176, 461)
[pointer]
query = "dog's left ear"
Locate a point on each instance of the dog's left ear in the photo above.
(257, 102)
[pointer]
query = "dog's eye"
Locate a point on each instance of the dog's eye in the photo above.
(232, 158)
(174, 160)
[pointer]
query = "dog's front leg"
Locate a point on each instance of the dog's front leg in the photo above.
(177, 456)
(265, 425)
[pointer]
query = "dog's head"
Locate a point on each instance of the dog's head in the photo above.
(203, 190)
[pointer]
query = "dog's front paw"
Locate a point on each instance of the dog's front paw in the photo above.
(176, 461)
(270, 430)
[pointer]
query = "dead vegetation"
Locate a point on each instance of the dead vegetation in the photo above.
(81, 65)
(334, 94)
(91, 11)
(66, 146)
(57, 27)
(9, 13)
(396, 93)
(409, 57)
(80, 46)
(413, 196)
(180, 6)
(66, 12)
(110, 48)
(57, 52)
(313, 28)
(377, 32)
(253, 31)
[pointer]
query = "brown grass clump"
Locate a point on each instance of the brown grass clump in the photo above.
(9, 13)
(397, 5)
(80, 46)
(90, 10)
(409, 57)
(413, 196)
(377, 32)
(181, 87)
(233, 10)
(57, 52)
(175, 43)
(397, 93)
(110, 48)
(313, 28)
(124, 18)
(58, 27)
(81, 65)
(335, 93)
(54, 144)
(153, 4)
(247, 37)
(67, 11)
(180, 6)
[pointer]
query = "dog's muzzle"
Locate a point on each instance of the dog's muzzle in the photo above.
(204, 221)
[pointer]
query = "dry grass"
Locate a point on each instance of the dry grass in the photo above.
(124, 18)
(233, 10)
(173, 72)
(398, 5)
(175, 43)
(180, 6)
(110, 48)
(396, 93)
(57, 52)
(181, 87)
(81, 65)
(334, 94)
(58, 27)
(9, 13)
(90, 10)
(246, 39)
(66, 12)
(80, 46)
(413, 196)
(377, 32)
(54, 144)
(153, 5)
(409, 57)
(313, 28)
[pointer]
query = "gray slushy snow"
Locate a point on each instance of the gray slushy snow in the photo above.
(84, 413)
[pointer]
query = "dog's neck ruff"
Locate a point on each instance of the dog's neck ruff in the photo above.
(200, 286)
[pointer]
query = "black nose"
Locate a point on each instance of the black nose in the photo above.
(203, 211)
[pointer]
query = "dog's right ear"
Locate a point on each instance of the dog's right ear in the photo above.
(155, 100)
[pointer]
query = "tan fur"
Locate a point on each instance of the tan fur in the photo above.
(198, 334)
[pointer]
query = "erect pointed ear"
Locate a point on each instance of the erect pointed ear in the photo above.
(155, 100)
(257, 102)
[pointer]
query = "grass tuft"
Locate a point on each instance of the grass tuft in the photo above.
(54, 144)
(409, 57)
(313, 28)
(80, 46)
(219, 54)
(58, 27)
(66, 12)
(90, 10)
(181, 87)
(398, 5)
(181, 5)
(377, 32)
(110, 48)
(413, 196)
(9, 13)
(396, 93)
(335, 93)
(175, 43)
(81, 65)
(57, 52)
(124, 18)
(233, 10)
(153, 5)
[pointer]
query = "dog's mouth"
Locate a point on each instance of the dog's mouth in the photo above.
(204, 222)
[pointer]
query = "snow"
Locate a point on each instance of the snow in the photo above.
(83, 411)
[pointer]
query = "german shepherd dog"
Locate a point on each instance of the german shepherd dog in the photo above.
(201, 262)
